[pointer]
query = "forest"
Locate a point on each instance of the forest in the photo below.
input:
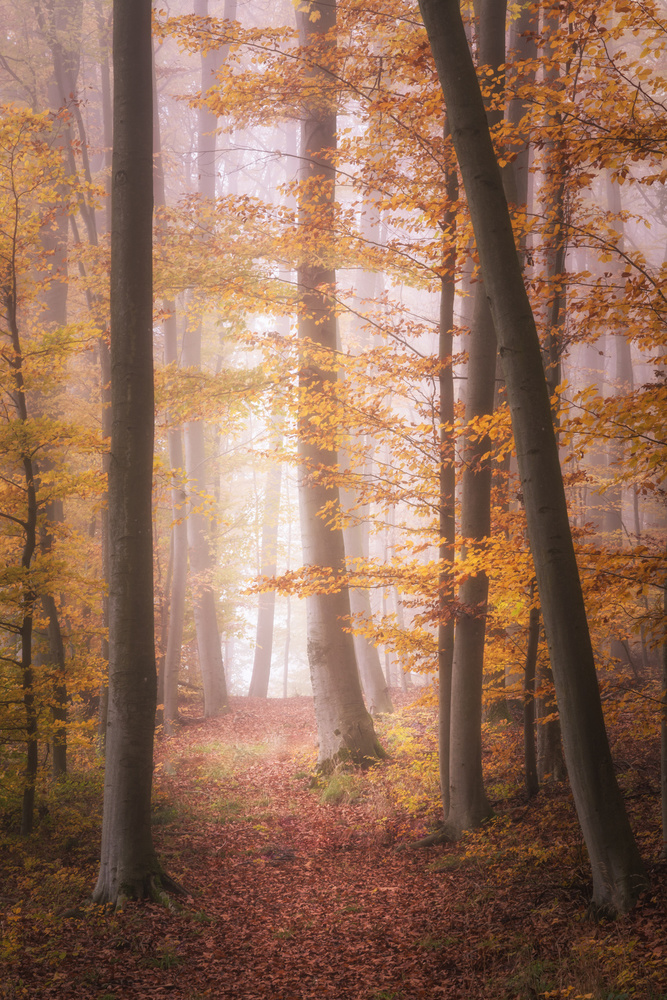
(333, 469)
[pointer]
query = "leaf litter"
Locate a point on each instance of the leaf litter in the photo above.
(297, 894)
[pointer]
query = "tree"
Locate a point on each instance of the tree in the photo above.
(128, 864)
(199, 545)
(261, 668)
(179, 537)
(345, 728)
(618, 872)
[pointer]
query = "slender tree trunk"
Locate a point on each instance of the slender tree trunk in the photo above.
(261, 669)
(201, 556)
(54, 514)
(621, 383)
(105, 352)
(288, 609)
(60, 23)
(128, 864)
(618, 872)
(663, 730)
(345, 728)
(373, 682)
(529, 754)
(29, 595)
(447, 485)
(179, 530)
(468, 804)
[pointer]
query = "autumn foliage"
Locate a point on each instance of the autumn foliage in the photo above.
(276, 868)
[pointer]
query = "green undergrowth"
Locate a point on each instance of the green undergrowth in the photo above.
(342, 785)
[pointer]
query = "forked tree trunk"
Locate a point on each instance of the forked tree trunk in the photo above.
(345, 728)
(618, 872)
(128, 864)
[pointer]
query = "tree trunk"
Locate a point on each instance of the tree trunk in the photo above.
(373, 682)
(128, 864)
(529, 757)
(345, 728)
(663, 731)
(28, 595)
(179, 529)
(54, 513)
(447, 485)
(261, 668)
(618, 872)
(201, 557)
(622, 380)
(468, 804)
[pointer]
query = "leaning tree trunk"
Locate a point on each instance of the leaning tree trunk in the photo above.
(128, 864)
(345, 728)
(618, 872)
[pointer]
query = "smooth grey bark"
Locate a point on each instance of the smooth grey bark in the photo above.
(447, 484)
(620, 362)
(104, 349)
(261, 668)
(179, 541)
(529, 671)
(373, 682)
(57, 662)
(355, 532)
(199, 548)
(468, 804)
(345, 728)
(618, 872)
(60, 24)
(178, 495)
(128, 863)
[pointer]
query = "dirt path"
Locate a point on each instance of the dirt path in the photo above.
(304, 899)
(296, 899)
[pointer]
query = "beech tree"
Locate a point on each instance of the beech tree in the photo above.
(199, 545)
(345, 728)
(261, 668)
(617, 868)
(128, 864)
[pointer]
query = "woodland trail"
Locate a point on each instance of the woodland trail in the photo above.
(296, 898)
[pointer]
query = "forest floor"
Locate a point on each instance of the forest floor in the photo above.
(309, 889)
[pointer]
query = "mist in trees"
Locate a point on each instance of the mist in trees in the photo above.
(349, 495)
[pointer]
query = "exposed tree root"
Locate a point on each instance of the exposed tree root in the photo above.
(445, 835)
(158, 887)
